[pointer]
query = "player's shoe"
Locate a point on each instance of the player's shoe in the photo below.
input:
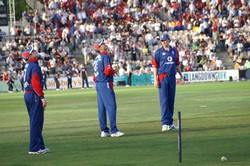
(168, 127)
(41, 151)
(105, 134)
(117, 134)
(172, 127)
(164, 128)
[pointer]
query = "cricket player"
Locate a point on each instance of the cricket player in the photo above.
(34, 100)
(103, 77)
(165, 63)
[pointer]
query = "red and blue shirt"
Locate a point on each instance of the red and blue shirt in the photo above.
(166, 61)
(103, 71)
(33, 78)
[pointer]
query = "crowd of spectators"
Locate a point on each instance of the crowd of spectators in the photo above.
(131, 29)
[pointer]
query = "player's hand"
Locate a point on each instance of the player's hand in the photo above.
(44, 102)
(182, 81)
(156, 84)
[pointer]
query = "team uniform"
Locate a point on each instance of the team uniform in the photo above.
(166, 62)
(33, 95)
(103, 77)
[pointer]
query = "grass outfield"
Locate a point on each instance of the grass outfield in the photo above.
(215, 121)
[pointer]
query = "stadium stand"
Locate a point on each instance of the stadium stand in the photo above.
(210, 35)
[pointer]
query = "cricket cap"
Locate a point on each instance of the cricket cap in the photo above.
(98, 43)
(26, 53)
(165, 37)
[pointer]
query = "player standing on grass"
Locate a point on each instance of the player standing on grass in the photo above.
(103, 77)
(34, 100)
(166, 62)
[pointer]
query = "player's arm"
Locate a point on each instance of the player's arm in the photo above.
(155, 67)
(37, 86)
(156, 81)
(178, 68)
(108, 70)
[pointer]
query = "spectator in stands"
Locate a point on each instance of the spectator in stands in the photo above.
(191, 64)
(65, 35)
(207, 65)
(222, 39)
(142, 69)
(239, 47)
(246, 45)
(20, 77)
(247, 64)
(5, 77)
(219, 64)
(11, 82)
(134, 52)
(201, 64)
(85, 52)
(56, 79)
(213, 64)
(121, 71)
(10, 62)
(81, 15)
(75, 70)
(145, 52)
(118, 53)
(18, 65)
(211, 45)
(69, 75)
(149, 39)
(44, 79)
(127, 50)
(64, 67)
(53, 65)
(84, 76)
(131, 25)
(236, 65)
(129, 72)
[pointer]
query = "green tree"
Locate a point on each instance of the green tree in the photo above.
(20, 6)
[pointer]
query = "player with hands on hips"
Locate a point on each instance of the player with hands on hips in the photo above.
(34, 100)
(106, 100)
(166, 62)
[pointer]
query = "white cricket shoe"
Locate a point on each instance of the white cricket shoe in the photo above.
(117, 134)
(105, 134)
(41, 151)
(172, 127)
(168, 127)
(164, 128)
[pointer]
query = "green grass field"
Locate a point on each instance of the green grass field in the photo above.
(215, 121)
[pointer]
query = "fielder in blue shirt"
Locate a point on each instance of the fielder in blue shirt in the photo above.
(34, 100)
(165, 63)
(103, 77)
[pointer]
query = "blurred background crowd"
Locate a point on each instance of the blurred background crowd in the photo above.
(64, 32)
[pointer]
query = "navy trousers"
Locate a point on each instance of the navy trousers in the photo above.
(106, 105)
(36, 116)
(167, 98)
